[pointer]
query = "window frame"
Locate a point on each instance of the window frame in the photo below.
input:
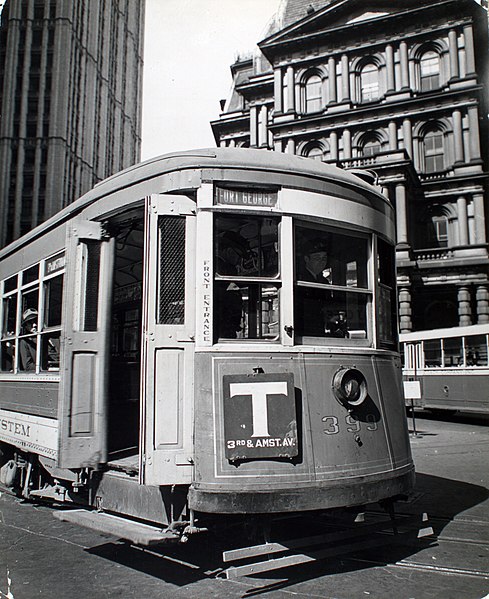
(313, 100)
(368, 291)
(240, 281)
(368, 83)
(10, 341)
(433, 157)
(429, 71)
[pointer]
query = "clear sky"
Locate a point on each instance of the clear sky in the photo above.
(189, 47)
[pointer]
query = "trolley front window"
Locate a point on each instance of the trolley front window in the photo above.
(332, 293)
(247, 283)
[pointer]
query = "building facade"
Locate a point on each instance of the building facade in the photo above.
(396, 88)
(70, 91)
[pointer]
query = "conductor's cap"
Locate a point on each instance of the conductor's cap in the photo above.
(29, 314)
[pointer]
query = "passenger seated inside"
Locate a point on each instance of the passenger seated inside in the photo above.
(28, 345)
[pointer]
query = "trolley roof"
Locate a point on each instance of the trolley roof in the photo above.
(206, 158)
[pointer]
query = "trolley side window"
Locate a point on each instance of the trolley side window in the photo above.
(9, 323)
(247, 277)
(31, 320)
(433, 357)
(476, 350)
(331, 292)
(453, 352)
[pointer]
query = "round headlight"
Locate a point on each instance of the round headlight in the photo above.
(350, 387)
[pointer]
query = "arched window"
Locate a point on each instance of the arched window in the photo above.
(371, 147)
(312, 94)
(369, 144)
(440, 227)
(429, 69)
(369, 83)
(315, 152)
(433, 152)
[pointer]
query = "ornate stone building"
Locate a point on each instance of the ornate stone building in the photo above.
(70, 90)
(399, 88)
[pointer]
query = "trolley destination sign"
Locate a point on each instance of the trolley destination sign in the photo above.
(245, 197)
(260, 419)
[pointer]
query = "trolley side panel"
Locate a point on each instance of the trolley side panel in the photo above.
(36, 398)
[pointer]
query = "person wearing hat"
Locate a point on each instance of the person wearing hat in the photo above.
(312, 302)
(314, 267)
(28, 344)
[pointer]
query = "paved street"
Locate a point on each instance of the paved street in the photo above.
(43, 557)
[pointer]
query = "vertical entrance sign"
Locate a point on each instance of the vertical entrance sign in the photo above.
(260, 416)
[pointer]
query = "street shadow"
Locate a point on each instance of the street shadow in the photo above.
(477, 419)
(201, 557)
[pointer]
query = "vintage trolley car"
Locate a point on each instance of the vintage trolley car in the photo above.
(450, 368)
(208, 332)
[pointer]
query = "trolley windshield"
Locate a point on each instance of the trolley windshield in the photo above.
(325, 277)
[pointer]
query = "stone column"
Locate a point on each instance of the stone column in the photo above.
(407, 132)
(482, 297)
(254, 127)
(290, 89)
(405, 312)
(463, 221)
(278, 90)
(332, 80)
(404, 65)
(389, 59)
(333, 145)
(464, 311)
(469, 50)
(345, 79)
(479, 218)
(263, 127)
(346, 144)
(392, 135)
(474, 134)
(458, 136)
(401, 214)
(290, 148)
(453, 54)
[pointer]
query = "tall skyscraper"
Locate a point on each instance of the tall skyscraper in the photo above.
(70, 91)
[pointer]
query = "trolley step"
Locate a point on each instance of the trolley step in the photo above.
(129, 530)
(322, 546)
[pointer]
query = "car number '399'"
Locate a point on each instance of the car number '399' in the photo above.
(260, 416)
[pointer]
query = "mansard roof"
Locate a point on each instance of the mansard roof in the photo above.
(297, 19)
